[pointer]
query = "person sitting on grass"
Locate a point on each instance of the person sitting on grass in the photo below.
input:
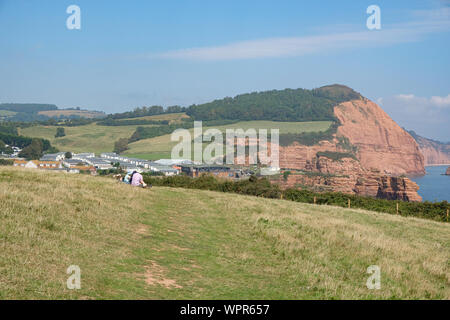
(137, 180)
(127, 178)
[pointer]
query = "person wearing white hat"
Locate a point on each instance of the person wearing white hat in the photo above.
(127, 178)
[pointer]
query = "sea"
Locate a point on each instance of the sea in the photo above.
(434, 185)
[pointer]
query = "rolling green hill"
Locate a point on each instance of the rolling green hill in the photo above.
(97, 138)
(28, 112)
(87, 138)
(160, 147)
(277, 105)
(133, 243)
(91, 137)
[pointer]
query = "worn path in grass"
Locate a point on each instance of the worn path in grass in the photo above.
(165, 243)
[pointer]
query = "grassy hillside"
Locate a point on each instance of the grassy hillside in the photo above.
(148, 244)
(91, 137)
(67, 113)
(160, 147)
(87, 138)
(96, 138)
(172, 117)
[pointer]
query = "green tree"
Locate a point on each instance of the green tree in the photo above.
(60, 132)
(286, 175)
(5, 149)
(121, 145)
(68, 155)
(34, 151)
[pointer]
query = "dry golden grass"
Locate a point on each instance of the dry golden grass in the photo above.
(174, 243)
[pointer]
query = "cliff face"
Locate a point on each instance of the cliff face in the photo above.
(382, 143)
(434, 152)
(448, 171)
(347, 176)
(384, 151)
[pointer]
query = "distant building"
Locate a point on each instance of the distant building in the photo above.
(38, 164)
(82, 156)
(110, 155)
(53, 156)
(20, 163)
(166, 170)
(173, 162)
(99, 163)
(73, 162)
(269, 171)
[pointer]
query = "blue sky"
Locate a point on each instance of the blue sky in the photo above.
(135, 53)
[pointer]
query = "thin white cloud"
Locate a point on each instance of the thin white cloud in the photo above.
(434, 101)
(431, 21)
(405, 97)
(440, 101)
(427, 115)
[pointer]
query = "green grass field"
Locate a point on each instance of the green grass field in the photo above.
(7, 113)
(82, 113)
(95, 138)
(88, 138)
(164, 243)
(155, 147)
(172, 117)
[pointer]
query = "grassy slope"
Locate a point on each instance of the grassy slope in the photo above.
(175, 243)
(88, 138)
(94, 138)
(91, 138)
(160, 147)
(81, 113)
(7, 113)
(172, 117)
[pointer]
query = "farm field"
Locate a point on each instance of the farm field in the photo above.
(172, 117)
(82, 113)
(87, 138)
(133, 243)
(7, 113)
(154, 147)
(96, 138)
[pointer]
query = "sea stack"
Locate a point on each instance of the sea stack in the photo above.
(448, 171)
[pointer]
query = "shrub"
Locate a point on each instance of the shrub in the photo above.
(262, 187)
(335, 155)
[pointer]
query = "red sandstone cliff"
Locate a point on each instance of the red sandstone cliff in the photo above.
(383, 152)
(434, 152)
(347, 176)
(382, 143)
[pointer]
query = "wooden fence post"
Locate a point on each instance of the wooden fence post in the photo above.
(447, 215)
(316, 199)
(281, 196)
(349, 202)
(397, 207)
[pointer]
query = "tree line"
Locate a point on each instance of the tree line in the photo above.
(261, 187)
